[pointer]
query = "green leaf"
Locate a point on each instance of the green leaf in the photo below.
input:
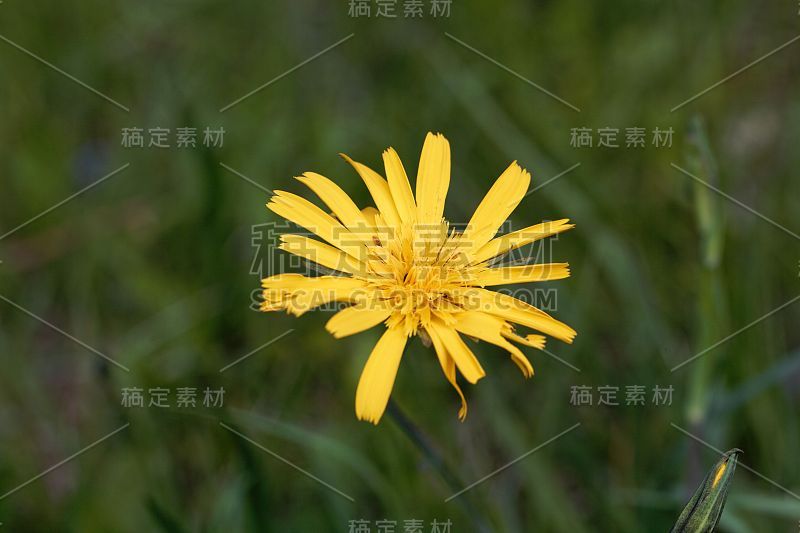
(703, 511)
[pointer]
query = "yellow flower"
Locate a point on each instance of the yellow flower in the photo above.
(401, 264)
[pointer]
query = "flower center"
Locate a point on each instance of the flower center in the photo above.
(415, 275)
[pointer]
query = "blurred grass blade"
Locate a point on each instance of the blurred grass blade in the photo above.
(703, 511)
(166, 521)
(258, 497)
(712, 310)
(700, 161)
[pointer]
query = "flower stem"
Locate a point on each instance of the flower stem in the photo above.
(435, 459)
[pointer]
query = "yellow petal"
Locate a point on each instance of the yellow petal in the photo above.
(534, 341)
(523, 364)
(465, 360)
(433, 179)
(498, 204)
(321, 253)
(299, 281)
(379, 190)
(449, 368)
(377, 378)
(516, 311)
(399, 186)
(369, 214)
(357, 318)
(516, 239)
(303, 213)
(299, 294)
(335, 198)
(521, 274)
(490, 329)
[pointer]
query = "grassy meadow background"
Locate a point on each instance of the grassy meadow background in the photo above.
(152, 267)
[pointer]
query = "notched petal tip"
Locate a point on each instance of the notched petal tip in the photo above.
(536, 341)
(275, 200)
(367, 418)
(519, 168)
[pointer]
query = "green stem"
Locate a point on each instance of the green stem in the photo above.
(435, 459)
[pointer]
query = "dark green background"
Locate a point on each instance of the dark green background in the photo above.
(151, 267)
